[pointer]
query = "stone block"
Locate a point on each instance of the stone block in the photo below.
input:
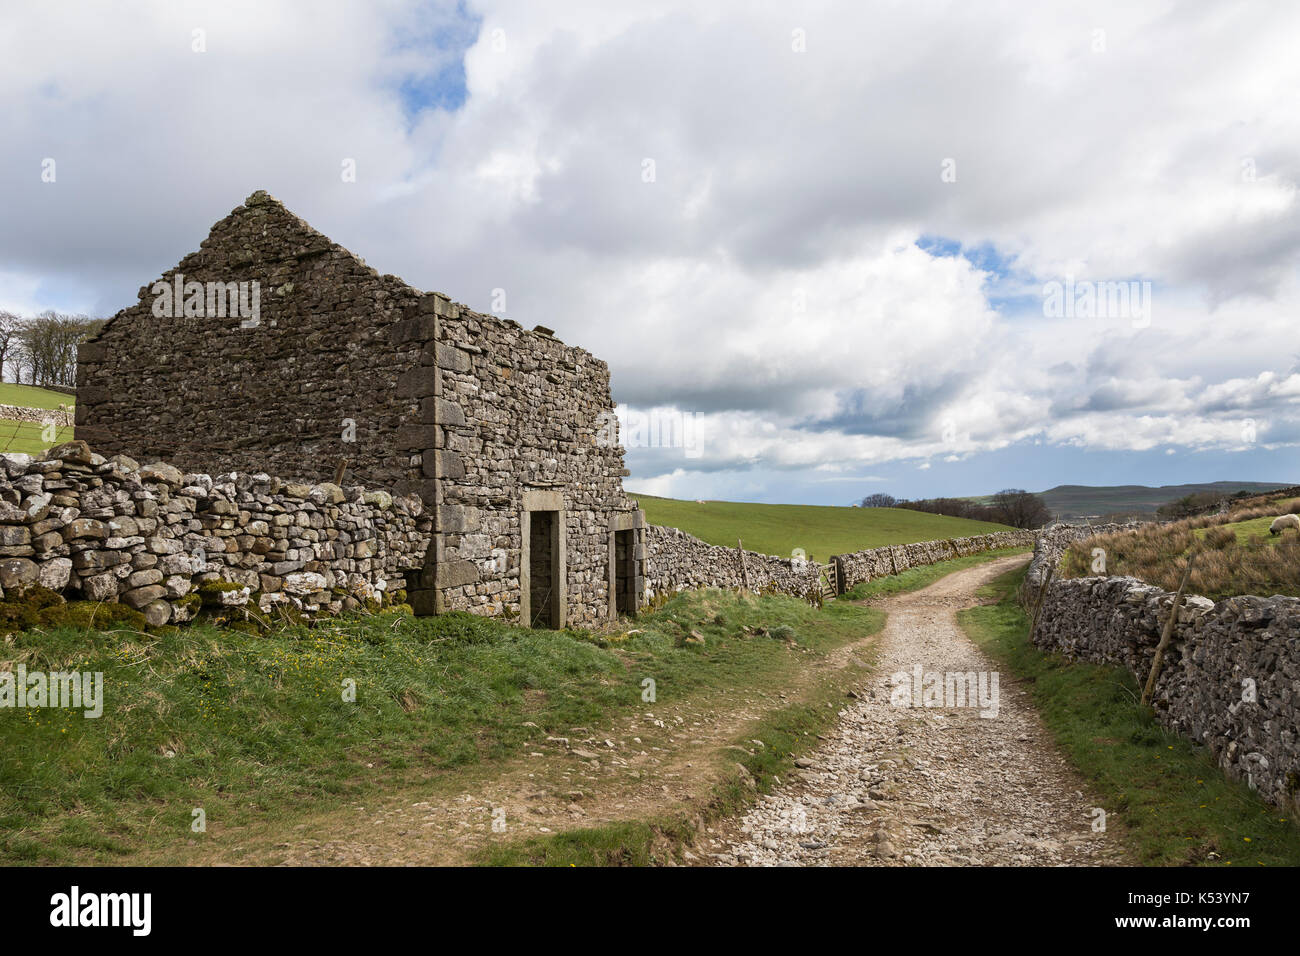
(454, 574)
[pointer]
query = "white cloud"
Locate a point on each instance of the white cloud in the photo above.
(781, 179)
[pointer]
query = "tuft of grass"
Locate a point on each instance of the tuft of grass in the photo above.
(819, 530)
(1235, 554)
(1171, 802)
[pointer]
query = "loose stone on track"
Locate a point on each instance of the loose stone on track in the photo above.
(929, 786)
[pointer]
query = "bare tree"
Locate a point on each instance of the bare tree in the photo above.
(47, 347)
(1013, 506)
(9, 324)
(1022, 509)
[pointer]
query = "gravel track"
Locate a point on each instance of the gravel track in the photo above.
(928, 786)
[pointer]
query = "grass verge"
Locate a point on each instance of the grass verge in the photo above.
(257, 729)
(784, 734)
(1172, 803)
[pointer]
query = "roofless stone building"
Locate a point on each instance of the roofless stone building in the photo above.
(273, 349)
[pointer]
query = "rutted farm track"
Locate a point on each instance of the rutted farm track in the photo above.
(927, 786)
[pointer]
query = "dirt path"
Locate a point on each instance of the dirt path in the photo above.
(663, 759)
(942, 785)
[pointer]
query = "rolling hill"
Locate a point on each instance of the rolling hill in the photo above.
(821, 531)
(1072, 501)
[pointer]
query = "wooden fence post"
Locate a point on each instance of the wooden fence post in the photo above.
(1038, 604)
(744, 571)
(1168, 634)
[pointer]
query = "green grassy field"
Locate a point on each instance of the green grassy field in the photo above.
(26, 437)
(30, 396)
(1167, 799)
(820, 531)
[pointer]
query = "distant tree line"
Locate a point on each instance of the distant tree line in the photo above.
(42, 349)
(1013, 506)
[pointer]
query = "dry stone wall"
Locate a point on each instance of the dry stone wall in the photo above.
(1051, 545)
(1230, 680)
(151, 537)
(863, 566)
(678, 561)
(59, 417)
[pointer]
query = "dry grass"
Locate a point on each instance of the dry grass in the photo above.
(1234, 553)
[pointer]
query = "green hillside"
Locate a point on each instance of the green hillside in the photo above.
(820, 531)
(1071, 501)
(30, 396)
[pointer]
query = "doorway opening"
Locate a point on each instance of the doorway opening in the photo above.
(544, 569)
(625, 572)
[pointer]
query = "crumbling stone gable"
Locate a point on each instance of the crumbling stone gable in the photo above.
(211, 395)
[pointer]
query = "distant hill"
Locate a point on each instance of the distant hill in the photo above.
(819, 530)
(1073, 501)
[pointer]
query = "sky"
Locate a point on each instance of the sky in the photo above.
(827, 249)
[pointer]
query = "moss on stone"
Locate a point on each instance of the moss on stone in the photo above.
(210, 592)
(91, 615)
(220, 586)
(21, 611)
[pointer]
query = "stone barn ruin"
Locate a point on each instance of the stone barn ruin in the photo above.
(274, 350)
